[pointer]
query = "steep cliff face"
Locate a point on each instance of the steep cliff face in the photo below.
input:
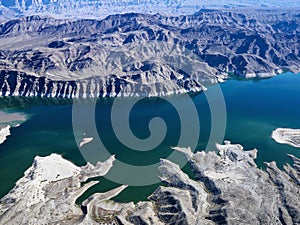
(138, 54)
(14, 83)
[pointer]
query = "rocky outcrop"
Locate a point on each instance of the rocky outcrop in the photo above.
(48, 191)
(228, 188)
(148, 55)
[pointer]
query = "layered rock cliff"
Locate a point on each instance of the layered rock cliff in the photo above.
(228, 189)
(139, 54)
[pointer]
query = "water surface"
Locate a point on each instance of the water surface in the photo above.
(254, 109)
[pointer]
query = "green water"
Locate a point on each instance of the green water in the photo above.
(254, 109)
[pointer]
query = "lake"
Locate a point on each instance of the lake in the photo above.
(253, 109)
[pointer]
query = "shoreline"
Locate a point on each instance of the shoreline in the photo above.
(54, 183)
(4, 133)
(181, 91)
(7, 121)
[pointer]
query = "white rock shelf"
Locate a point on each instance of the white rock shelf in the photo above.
(287, 136)
(223, 183)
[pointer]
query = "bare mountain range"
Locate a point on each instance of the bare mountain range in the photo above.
(102, 8)
(142, 54)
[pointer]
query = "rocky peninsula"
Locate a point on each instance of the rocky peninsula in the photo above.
(48, 191)
(228, 188)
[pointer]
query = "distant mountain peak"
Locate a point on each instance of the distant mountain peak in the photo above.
(102, 8)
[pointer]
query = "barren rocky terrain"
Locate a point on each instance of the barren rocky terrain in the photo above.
(228, 189)
(144, 55)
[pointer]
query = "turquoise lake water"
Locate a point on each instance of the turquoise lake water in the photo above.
(254, 108)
